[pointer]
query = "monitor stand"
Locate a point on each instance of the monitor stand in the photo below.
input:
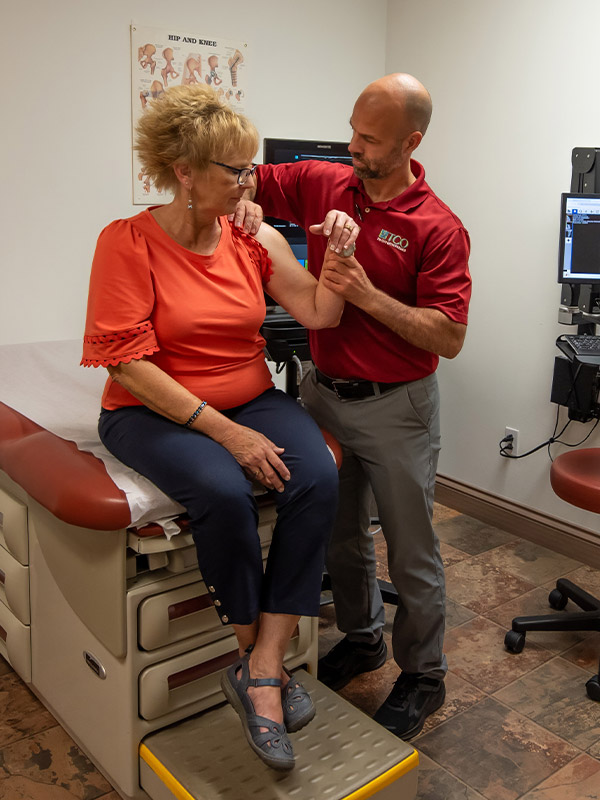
(580, 303)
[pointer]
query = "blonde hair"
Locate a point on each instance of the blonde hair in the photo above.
(190, 125)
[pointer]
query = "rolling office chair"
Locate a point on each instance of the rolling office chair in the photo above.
(575, 477)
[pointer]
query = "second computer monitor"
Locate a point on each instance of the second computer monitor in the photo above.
(579, 249)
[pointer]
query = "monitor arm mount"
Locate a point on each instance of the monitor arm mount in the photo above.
(580, 305)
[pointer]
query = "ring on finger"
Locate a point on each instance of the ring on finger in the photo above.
(348, 227)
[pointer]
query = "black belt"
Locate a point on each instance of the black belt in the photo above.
(350, 389)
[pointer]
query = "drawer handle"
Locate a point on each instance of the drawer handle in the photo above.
(201, 670)
(1, 520)
(191, 606)
(2, 577)
(94, 664)
(3, 634)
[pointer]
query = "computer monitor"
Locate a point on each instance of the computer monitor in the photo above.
(579, 249)
(284, 151)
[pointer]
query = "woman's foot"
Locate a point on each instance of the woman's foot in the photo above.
(266, 699)
(297, 704)
(266, 735)
(291, 705)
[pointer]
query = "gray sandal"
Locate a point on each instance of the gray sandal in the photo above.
(298, 707)
(273, 745)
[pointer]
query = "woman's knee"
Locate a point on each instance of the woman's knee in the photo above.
(317, 477)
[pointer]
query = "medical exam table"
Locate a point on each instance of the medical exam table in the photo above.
(104, 614)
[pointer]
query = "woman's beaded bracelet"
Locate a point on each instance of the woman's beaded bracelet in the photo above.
(195, 415)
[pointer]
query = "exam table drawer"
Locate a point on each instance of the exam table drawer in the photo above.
(195, 677)
(171, 616)
(14, 586)
(178, 614)
(15, 643)
(185, 679)
(13, 527)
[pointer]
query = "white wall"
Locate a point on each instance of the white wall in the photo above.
(66, 134)
(514, 86)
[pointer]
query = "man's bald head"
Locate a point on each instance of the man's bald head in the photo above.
(403, 97)
(388, 121)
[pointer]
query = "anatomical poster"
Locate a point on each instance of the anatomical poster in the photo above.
(163, 58)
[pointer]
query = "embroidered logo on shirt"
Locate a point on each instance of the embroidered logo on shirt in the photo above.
(393, 239)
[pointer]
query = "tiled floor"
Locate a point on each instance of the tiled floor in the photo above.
(38, 760)
(513, 726)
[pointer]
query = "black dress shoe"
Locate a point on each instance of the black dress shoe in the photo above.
(413, 698)
(348, 659)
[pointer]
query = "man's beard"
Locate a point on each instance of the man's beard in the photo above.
(365, 172)
(374, 170)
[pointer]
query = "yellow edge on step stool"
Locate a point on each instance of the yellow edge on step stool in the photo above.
(169, 781)
(363, 793)
(391, 775)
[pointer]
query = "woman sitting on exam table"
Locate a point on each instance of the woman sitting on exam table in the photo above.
(175, 306)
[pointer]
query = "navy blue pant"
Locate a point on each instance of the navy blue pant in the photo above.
(206, 479)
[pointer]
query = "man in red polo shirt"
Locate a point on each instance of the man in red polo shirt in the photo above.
(374, 386)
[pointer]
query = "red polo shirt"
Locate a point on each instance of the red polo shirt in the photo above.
(412, 247)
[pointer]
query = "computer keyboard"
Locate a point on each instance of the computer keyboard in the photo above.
(584, 345)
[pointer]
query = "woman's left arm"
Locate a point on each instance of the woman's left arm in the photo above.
(309, 301)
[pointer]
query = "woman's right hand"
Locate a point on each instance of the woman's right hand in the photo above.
(257, 455)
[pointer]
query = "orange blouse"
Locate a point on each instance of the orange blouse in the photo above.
(196, 317)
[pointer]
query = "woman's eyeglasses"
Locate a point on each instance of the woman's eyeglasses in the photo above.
(242, 174)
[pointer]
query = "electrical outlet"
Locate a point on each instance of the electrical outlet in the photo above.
(512, 447)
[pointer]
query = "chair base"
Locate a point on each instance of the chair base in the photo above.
(586, 620)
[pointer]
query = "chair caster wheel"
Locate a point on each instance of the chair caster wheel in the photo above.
(514, 642)
(592, 688)
(557, 599)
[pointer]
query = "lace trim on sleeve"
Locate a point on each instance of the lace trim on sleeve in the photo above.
(110, 349)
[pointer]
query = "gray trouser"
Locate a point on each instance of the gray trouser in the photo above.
(390, 443)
